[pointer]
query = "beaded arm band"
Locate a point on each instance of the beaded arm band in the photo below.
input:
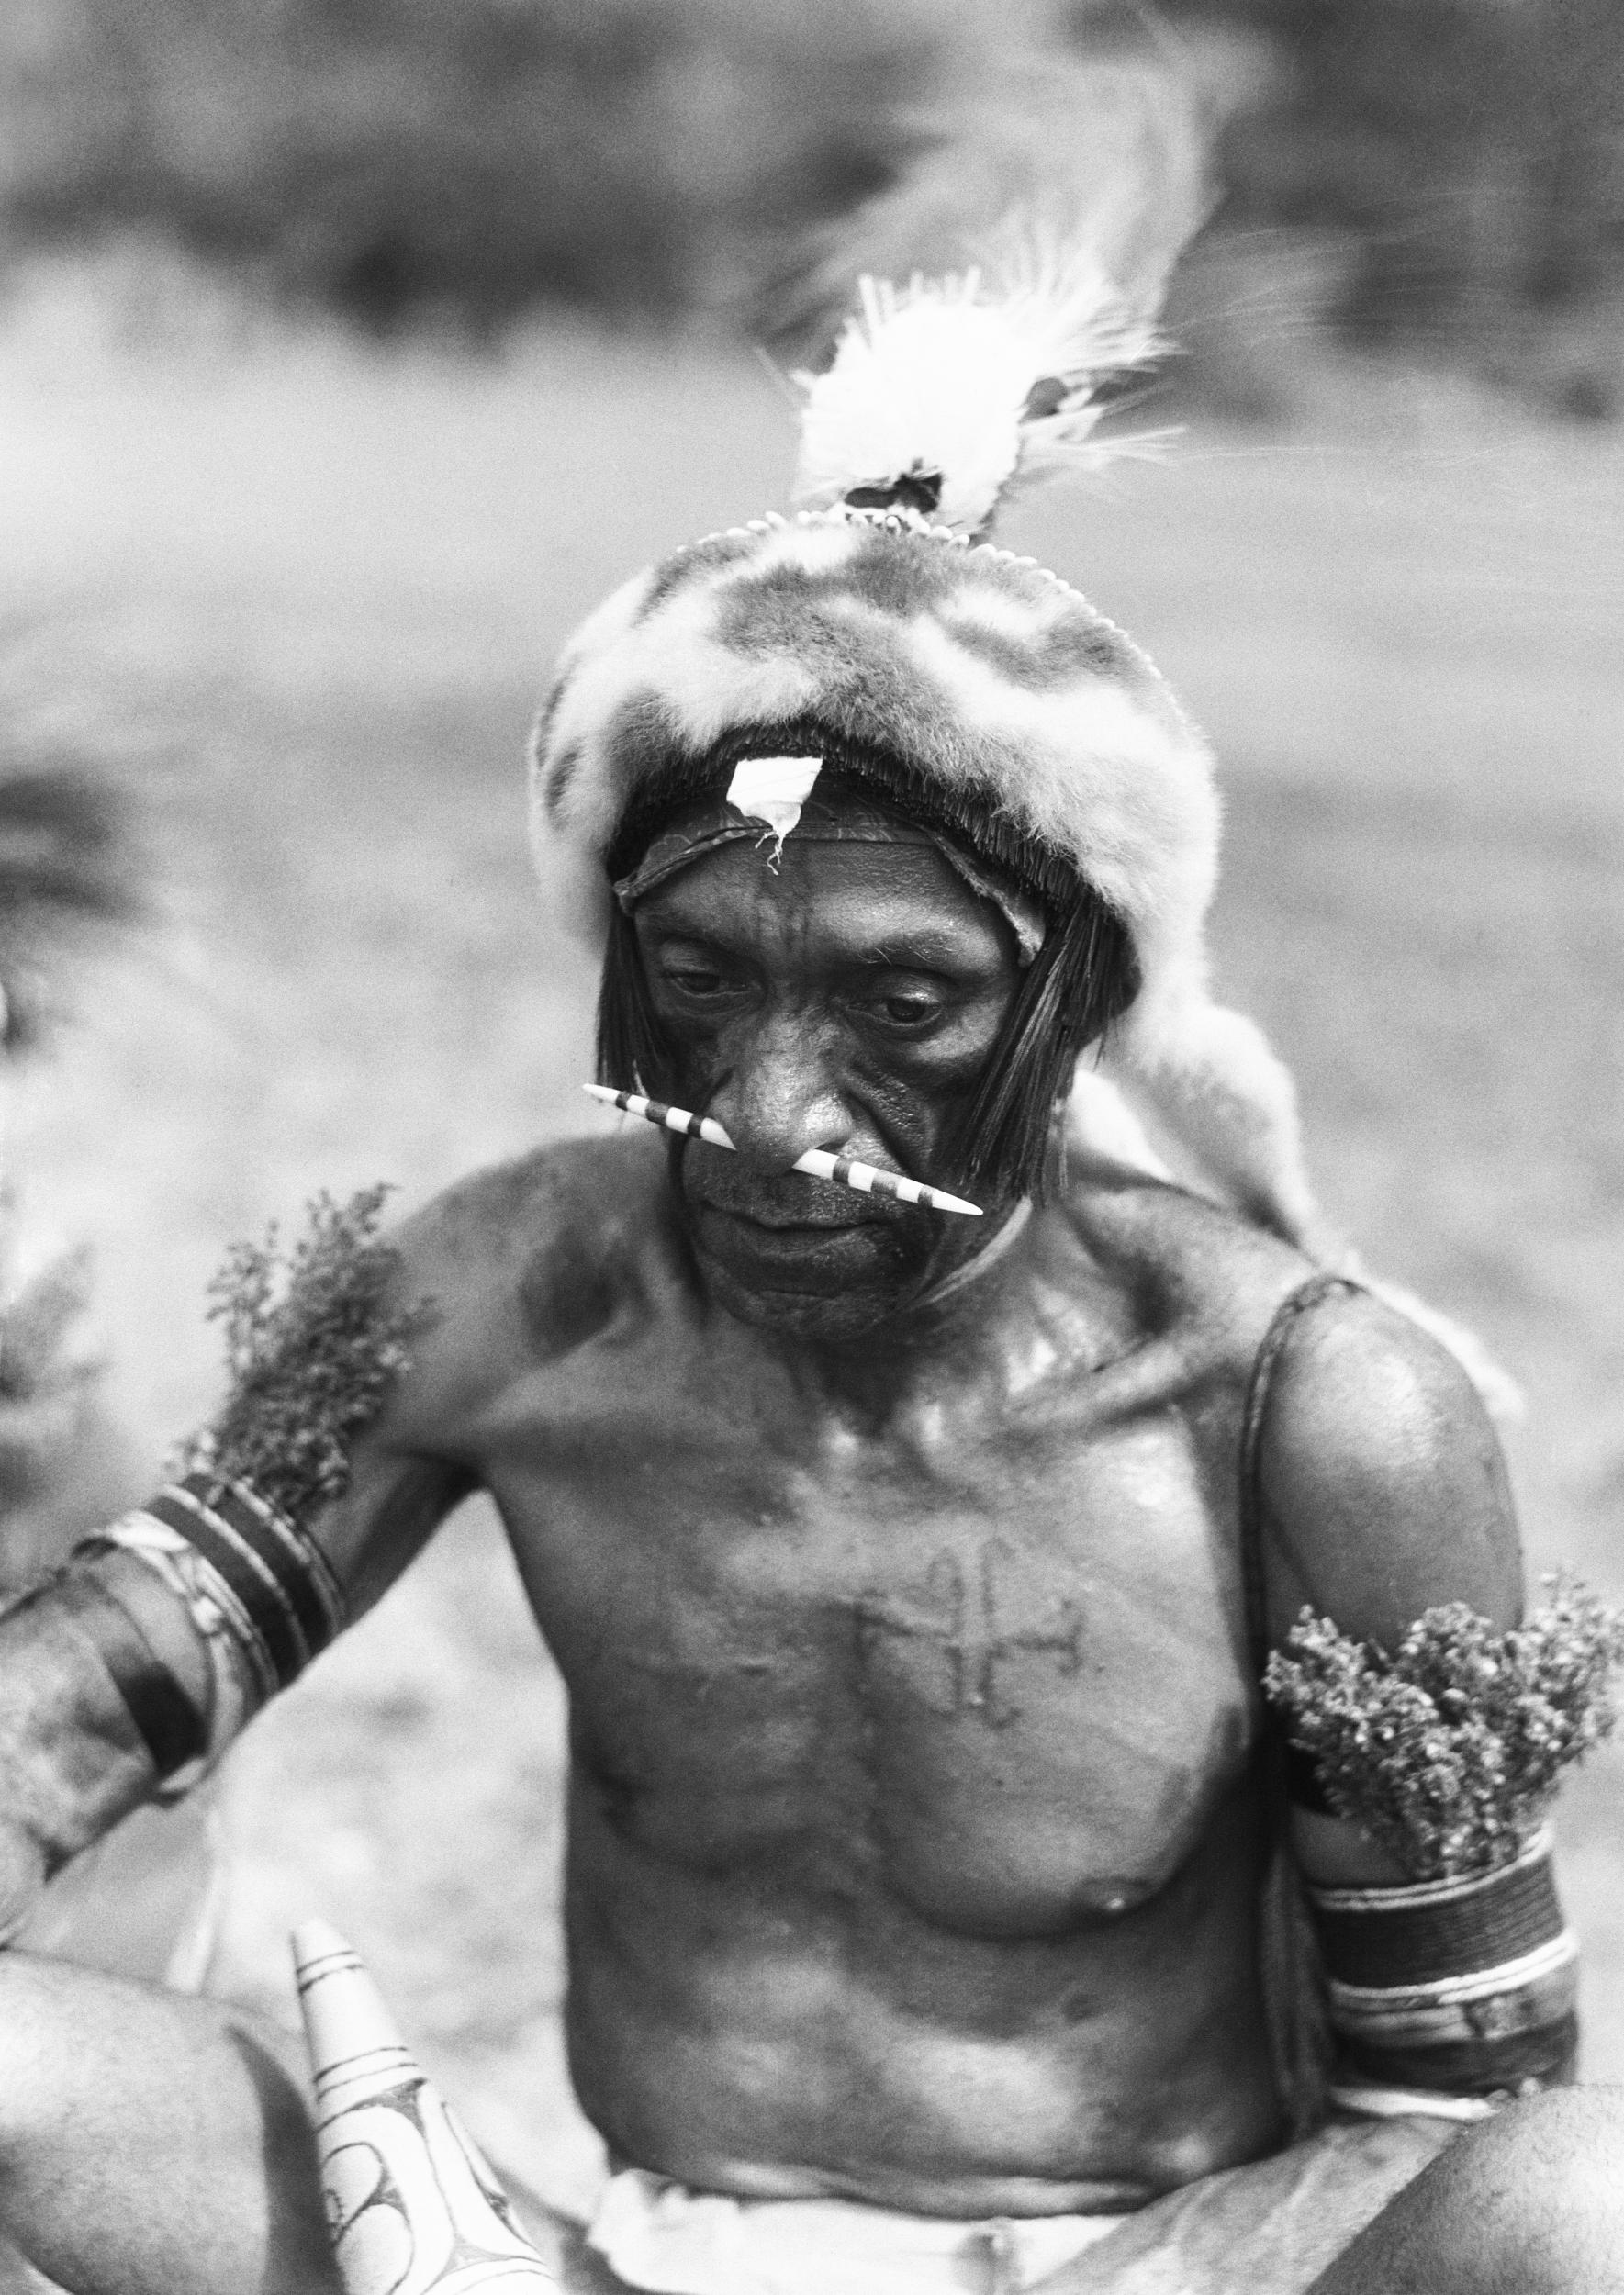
(258, 1590)
(1466, 1983)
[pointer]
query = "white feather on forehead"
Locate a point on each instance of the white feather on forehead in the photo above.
(773, 789)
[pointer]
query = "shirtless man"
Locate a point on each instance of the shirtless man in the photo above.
(896, 1563)
(914, 1823)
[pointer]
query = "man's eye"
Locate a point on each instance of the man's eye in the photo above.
(909, 1008)
(690, 980)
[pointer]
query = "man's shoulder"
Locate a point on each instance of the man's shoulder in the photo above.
(580, 1183)
(1381, 1482)
(1202, 1278)
(544, 1251)
(1383, 1487)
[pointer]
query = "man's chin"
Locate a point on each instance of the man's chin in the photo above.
(799, 1315)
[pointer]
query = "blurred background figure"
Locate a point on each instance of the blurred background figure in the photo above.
(349, 349)
(66, 878)
(136, 1903)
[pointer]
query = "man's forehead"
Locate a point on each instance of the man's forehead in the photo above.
(781, 811)
(846, 889)
(819, 814)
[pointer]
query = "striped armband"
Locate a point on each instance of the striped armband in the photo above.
(258, 1589)
(1466, 1983)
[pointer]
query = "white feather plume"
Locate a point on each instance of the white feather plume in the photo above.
(1055, 202)
(966, 381)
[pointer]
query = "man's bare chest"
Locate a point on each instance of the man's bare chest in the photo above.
(1001, 1664)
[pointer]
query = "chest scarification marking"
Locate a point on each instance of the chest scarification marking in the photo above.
(964, 1614)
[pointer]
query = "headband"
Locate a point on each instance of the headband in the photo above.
(770, 800)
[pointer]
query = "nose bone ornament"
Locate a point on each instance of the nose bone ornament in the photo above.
(866, 1178)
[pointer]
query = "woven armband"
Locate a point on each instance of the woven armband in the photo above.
(1466, 1983)
(257, 1587)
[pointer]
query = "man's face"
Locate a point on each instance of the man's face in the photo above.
(846, 996)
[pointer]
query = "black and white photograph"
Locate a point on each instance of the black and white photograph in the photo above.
(812, 1147)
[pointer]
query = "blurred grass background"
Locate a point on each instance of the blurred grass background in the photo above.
(1447, 175)
(349, 352)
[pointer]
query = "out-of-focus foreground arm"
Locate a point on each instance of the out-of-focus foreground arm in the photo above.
(127, 1672)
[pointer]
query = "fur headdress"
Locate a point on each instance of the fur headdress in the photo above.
(999, 685)
(881, 614)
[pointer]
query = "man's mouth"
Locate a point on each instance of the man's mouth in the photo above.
(773, 1230)
(827, 1261)
(790, 1203)
(769, 1245)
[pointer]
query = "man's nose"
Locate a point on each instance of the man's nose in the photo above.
(782, 1095)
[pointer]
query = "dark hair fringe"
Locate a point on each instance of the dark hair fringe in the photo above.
(1082, 981)
(632, 1053)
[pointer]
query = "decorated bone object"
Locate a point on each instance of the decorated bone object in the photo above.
(412, 2205)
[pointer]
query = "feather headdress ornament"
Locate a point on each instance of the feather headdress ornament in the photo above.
(1016, 266)
(943, 394)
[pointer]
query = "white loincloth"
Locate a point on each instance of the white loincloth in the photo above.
(661, 2236)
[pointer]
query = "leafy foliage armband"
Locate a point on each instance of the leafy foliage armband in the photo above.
(1448, 1755)
(1447, 1752)
(314, 1342)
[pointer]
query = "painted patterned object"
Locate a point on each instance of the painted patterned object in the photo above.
(412, 2205)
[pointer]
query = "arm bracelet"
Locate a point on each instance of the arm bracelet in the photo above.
(258, 1589)
(1466, 1983)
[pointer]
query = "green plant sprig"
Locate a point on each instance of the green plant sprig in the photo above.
(1449, 1752)
(312, 1347)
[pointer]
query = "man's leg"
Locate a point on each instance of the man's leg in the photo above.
(1531, 2202)
(151, 2145)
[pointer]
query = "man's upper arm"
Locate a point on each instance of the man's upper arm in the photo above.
(1384, 1495)
(407, 1469)
(405, 1473)
(1383, 1492)
(464, 1264)
(511, 1273)
(137, 1667)
(1384, 1487)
